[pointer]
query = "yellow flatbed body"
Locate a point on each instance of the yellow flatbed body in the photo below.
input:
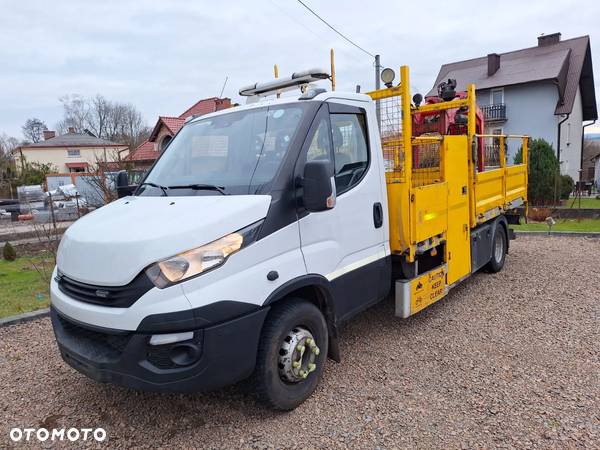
(437, 196)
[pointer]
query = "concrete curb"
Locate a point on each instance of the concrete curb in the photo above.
(587, 234)
(25, 317)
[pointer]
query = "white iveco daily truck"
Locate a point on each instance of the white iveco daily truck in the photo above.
(257, 232)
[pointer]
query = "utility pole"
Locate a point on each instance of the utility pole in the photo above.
(377, 87)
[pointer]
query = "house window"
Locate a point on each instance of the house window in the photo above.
(165, 142)
(497, 96)
(73, 153)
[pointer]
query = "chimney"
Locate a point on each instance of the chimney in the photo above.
(49, 134)
(493, 63)
(71, 130)
(548, 39)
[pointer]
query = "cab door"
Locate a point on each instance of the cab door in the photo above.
(345, 244)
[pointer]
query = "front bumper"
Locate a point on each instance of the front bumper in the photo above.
(224, 354)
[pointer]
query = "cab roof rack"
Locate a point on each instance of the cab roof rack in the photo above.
(298, 79)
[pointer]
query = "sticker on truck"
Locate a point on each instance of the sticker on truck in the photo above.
(427, 289)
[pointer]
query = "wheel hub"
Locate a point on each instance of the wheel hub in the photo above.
(297, 355)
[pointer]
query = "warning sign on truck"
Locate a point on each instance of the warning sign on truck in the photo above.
(427, 289)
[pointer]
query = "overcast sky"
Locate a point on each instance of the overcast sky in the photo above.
(163, 56)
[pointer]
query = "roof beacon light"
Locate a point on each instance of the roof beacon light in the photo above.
(297, 79)
(387, 76)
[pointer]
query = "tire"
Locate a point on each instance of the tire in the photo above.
(270, 385)
(499, 246)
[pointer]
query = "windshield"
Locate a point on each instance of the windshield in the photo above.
(233, 153)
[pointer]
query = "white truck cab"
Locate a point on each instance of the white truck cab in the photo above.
(255, 234)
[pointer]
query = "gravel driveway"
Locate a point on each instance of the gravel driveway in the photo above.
(506, 360)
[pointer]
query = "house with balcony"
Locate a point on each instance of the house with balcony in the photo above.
(546, 91)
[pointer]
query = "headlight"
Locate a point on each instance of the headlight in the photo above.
(199, 260)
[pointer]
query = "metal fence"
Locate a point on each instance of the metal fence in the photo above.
(390, 128)
(426, 161)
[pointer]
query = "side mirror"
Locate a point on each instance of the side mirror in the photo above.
(318, 189)
(123, 187)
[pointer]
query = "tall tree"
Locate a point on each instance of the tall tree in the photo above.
(33, 130)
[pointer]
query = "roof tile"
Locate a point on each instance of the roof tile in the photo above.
(563, 62)
(144, 152)
(74, 140)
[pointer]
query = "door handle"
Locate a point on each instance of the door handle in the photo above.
(377, 215)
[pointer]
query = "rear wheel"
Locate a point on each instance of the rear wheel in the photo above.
(291, 354)
(499, 245)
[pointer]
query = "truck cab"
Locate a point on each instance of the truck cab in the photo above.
(255, 234)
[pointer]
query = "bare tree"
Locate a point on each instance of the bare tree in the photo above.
(47, 236)
(102, 175)
(33, 130)
(75, 113)
(115, 121)
(7, 162)
(100, 112)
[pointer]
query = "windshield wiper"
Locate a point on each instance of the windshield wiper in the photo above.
(200, 186)
(162, 188)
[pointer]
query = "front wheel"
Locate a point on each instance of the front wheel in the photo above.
(291, 354)
(499, 246)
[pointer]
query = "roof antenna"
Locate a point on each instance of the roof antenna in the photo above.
(223, 88)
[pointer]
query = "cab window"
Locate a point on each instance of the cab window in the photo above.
(350, 150)
(320, 145)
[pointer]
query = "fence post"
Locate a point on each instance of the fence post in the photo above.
(52, 210)
(77, 202)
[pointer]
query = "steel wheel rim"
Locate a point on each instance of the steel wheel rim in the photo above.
(297, 356)
(498, 247)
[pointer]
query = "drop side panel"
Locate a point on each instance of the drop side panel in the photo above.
(458, 250)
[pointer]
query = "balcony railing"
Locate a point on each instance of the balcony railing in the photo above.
(494, 113)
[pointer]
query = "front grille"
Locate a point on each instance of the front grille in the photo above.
(102, 346)
(115, 296)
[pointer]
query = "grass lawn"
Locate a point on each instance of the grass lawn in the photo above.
(561, 225)
(592, 203)
(21, 286)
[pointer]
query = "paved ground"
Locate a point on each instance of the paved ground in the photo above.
(507, 360)
(21, 230)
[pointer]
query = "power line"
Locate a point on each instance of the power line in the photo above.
(330, 26)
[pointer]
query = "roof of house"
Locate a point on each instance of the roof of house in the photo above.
(143, 152)
(201, 107)
(173, 124)
(568, 63)
(206, 106)
(73, 140)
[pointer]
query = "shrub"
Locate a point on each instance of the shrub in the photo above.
(518, 159)
(8, 252)
(544, 172)
(34, 173)
(566, 186)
